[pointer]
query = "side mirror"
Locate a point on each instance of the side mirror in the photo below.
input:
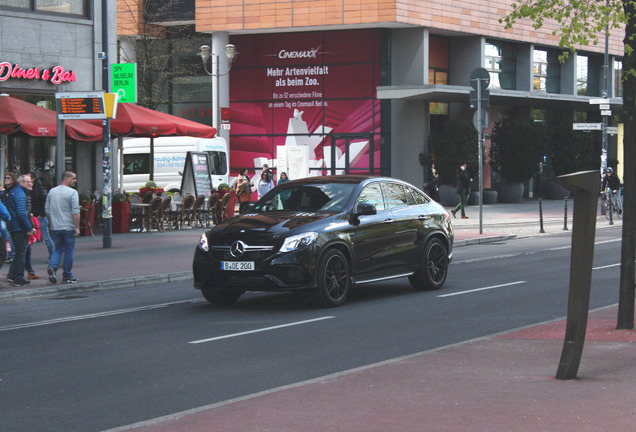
(365, 209)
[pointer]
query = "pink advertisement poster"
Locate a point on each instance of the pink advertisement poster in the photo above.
(307, 89)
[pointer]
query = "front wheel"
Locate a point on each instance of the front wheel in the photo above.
(333, 278)
(433, 268)
(221, 298)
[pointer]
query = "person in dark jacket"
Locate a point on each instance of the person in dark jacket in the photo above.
(4, 217)
(463, 189)
(20, 227)
(38, 199)
(10, 180)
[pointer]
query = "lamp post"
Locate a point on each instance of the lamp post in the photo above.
(206, 53)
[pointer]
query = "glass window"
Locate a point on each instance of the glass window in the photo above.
(372, 194)
(71, 7)
(395, 196)
(420, 198)
(618, 78)
(24, 4)
(218, 163)
(546, 71)
(137, 163)
(500, 62)
(438, 76)
(582, 70)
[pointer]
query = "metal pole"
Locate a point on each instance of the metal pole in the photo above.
(605, 96)
(541, 217)
(565, 215)
(106, 168)
(610, 208)
(479, 146)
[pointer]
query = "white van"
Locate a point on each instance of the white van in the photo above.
(170, 155)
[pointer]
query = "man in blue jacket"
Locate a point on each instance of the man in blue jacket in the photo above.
(6, 217)
(20, 227)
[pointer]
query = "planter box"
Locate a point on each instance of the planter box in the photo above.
(90, 212)
(121, 217)
(489, 197)
(142, 191)
(448, 195)
(509, 192)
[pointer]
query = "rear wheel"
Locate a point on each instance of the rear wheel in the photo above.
(221, 298)
(433, 269)
(334, 278)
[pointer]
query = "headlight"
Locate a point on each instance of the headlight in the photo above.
(299, 240)
(203, 243)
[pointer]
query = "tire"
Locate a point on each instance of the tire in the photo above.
(333, 278)
(221, 298)
(433, 268)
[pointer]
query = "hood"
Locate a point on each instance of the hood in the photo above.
(268, 224)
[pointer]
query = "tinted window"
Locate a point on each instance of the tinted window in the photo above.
(218, 163)
(330, 197)
(372, 194)
(395, 196)
(137, 163)
(420, 198)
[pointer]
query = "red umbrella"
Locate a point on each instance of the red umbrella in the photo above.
(133, 120)
(18, 117)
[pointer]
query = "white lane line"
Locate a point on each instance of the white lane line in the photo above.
(94, 315)
(260, 330)
(482, 289)
(606, 266)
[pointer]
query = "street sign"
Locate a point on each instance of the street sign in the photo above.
(75, 105)
(606, 112)
(612, 130)
(124, 81)
(598, 101)
(604, 106)
(480, 74)
(484, 120)
(485, 95)
(587, 126)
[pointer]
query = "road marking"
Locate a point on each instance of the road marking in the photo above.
(482, 289)
(94, 315)
(260, 330)
(606, 266)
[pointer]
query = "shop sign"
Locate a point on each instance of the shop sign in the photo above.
(55, 75)
(82, 106)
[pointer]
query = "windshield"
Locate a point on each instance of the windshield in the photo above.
(325, 197)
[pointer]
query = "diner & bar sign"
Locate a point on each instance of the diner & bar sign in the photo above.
(196, 174)
(76, 105)
(54, 75)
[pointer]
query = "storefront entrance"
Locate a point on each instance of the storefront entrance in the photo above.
(351, 154)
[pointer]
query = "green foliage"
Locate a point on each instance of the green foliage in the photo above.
(85, 198)
(579, 23)
(150, 184)
(121, 198)
(456, 143)
(571, 151)
(517, 147)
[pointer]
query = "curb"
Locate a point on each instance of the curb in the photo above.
(61, 290)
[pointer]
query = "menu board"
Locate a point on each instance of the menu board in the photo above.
(196, 174)
(80, 105)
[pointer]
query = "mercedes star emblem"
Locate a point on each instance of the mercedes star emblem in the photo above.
(237, 249)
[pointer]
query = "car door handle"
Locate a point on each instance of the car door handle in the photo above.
(387, 221)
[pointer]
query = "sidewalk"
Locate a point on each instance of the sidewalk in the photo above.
(502, 382)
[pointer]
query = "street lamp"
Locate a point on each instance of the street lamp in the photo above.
(206, 53)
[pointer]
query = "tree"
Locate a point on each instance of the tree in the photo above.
(455, 144)
(151, 46)
(579, 24)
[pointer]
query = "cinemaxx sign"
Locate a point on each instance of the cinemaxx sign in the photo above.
(54, 75)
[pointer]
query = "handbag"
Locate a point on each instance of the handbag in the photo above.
(244, 197)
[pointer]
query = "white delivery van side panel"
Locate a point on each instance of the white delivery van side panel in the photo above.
(169, 160)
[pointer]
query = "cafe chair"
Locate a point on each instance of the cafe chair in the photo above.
(87, 215)
(166, 213)
(186, 211)
(222, 213)
(198, 212)
(210, 213)
(148, 196)
(136, 212)
(152, 216)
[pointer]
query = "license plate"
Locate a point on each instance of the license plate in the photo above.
(237, 265)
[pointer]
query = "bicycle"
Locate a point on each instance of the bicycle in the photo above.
(614, 204)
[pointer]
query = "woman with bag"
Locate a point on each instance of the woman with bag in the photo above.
(243, 190)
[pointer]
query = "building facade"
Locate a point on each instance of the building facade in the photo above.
(359, 86)
(48, 47)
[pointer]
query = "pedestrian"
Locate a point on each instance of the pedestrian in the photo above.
(63, 211)
(243, 190)
(4, 218)
(430, 182)
(38, 200)
(268, 171)
(10, 180)
(264, 185)
(463, 189)
(21, 227)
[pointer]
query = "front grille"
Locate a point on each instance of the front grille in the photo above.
(251, 253)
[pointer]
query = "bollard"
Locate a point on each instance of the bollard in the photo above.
(541, 217)
(565, 215)
(610, 209)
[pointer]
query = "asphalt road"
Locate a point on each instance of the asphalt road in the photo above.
(114, 358)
